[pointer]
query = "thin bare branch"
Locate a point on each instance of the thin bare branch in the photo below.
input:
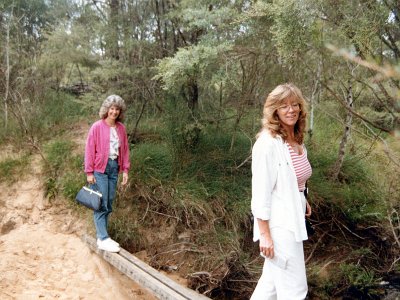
(387, 151)
(387, 71)
(393, 227)
(315, 247)
(99, 9)
(344, 104)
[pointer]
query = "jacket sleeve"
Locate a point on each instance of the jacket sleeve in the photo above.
(125, 162)
(264, 176)
(90, 151)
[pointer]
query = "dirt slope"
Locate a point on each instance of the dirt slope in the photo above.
(42, 255)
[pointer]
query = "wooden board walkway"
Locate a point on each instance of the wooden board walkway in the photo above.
(157, 283)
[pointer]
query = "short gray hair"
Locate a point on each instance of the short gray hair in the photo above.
(110, 101)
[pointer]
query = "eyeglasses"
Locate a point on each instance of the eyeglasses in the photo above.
(286, 107)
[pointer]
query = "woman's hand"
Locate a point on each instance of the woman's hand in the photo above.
(90, 179)
(124, 178)
(266, 245)
(308, 210)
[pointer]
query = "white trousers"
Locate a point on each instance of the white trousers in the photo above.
(280, 284)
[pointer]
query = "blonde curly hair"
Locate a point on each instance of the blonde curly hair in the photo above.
(110, 101)
(275, 99)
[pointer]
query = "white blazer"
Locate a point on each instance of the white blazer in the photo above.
(275, 193)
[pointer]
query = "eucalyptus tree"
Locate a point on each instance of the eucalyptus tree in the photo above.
(23, 27)
(301, 31)
(289, 41)
(205, 33)
(367, 29)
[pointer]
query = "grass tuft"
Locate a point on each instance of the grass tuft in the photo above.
(12, 168)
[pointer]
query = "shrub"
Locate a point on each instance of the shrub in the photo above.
(12, 168)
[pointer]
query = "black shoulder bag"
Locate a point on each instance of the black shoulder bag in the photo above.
(309, 226)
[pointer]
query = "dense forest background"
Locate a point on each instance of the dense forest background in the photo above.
(195, 74)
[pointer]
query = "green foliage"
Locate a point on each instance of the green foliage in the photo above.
(359, 282)
(207, 20)
(183, 131)
(382, 118)
(50, 187)
(292, 28)
(57, 109)
(321, 282)
(57, 153)
(43, 117)
(65, 52)
(12, 169)
(203, 18)
(205, 173)
(126, 232)
(356, 22)
(151, 160)
(61, 170)
(359, 194)
(202, 186)
(88, 104)
(216, 163)
(357, 276)
(71, 184)
(188, 64)
(30, 18)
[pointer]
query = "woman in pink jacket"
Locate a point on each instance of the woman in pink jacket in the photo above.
(107, 155)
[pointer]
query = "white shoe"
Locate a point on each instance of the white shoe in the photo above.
(114, 242)
(111, 241)
(107, 245)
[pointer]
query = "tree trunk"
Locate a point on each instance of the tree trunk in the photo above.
(113, 31)
(133, 136)
(193, 94)
(159, 30)
(346, 134)
(165, 29)
(315, 95)
(6, 95)
(80, 76)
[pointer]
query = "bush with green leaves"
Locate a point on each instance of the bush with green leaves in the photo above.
(62, 169)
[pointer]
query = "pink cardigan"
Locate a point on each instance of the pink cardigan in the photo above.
(98, 148)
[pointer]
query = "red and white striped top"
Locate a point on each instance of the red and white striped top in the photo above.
(302, 167)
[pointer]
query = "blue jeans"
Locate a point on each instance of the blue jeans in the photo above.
(107, 184)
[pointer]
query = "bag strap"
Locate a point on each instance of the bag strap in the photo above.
(93, 187)
(306, 190)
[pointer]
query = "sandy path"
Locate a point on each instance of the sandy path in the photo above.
(42, 256)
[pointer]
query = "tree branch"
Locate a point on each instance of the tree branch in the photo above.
(99, 9)
(393, 227)
(378, 98)
(344, 104)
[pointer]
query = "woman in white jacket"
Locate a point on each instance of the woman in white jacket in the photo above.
(280, 169)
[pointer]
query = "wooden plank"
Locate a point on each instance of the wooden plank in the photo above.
(138, 275)
(160, 285)
(182, 290)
